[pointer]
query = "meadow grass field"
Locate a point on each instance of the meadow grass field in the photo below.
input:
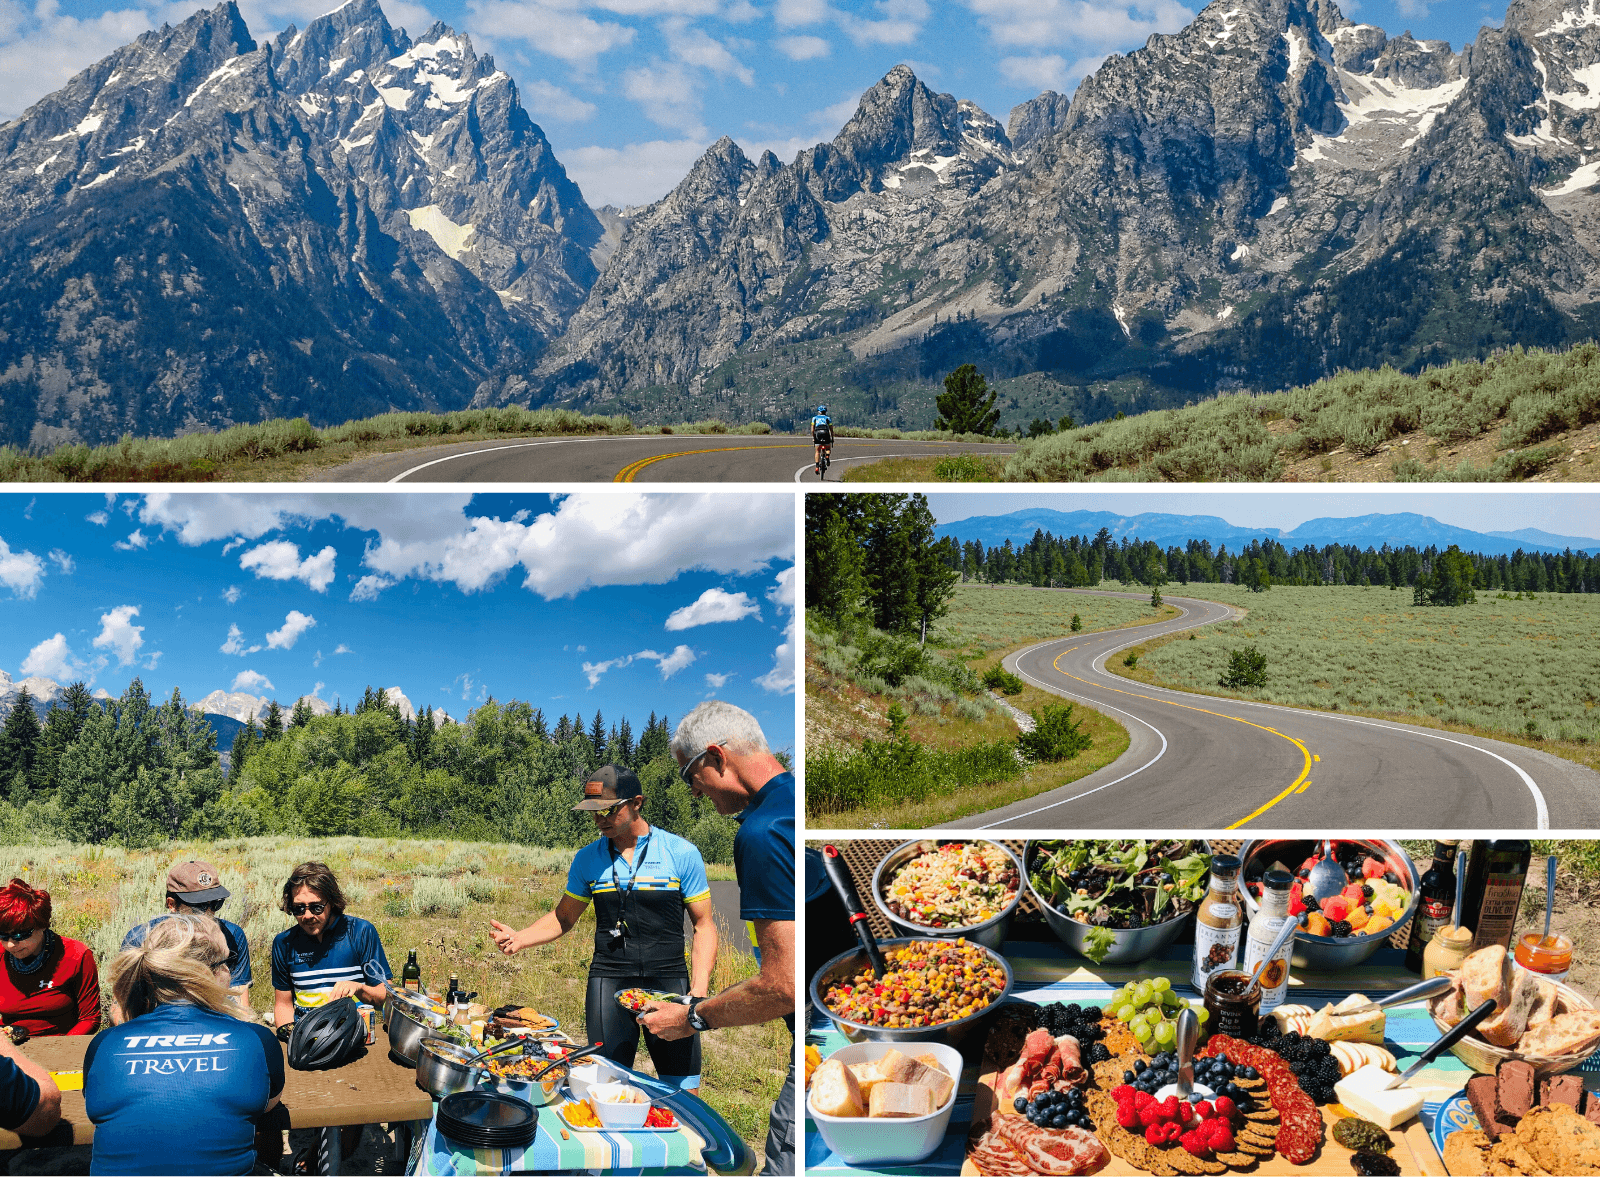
(982, 625)
(1522, 670)
(434, 896)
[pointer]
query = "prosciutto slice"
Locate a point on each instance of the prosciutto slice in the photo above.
(1045, 1063)
(1069, 1151)
(993, 1155)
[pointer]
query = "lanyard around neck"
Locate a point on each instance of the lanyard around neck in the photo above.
(639, 848)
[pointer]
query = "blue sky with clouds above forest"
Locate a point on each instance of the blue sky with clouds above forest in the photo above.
(631, 91)
(624, 603)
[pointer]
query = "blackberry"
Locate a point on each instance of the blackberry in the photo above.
(1341, 929)
(1074, 1012)
(1092, 1013)
(1099, 1054)
(1366, 891)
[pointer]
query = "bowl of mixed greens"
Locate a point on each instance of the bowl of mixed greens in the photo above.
(1118, 901)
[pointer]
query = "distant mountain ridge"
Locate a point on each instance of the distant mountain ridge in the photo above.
(1167, 529)
(226, 712)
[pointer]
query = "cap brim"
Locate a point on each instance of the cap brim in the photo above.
(205, 897)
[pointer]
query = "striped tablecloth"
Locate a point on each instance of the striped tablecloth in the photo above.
(1047, 973)
(646, 1152)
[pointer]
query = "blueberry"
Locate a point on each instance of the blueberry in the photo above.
(1074, 1096)
(1020, 1104)
(1129, 1077)
(1086, 1124)
(1251, 1073)
(1140, 1065)
(1058, 1121)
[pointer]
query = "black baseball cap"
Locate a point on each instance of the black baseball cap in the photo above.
(608, 786)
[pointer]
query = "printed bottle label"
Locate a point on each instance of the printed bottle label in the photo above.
(1214, 949)
(1275, 979)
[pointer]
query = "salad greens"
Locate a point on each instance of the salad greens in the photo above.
(1125, 884)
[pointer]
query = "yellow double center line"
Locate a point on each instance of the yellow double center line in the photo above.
(1301, 781)
(631, 471)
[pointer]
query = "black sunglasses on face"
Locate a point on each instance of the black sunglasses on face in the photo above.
(316, 908)
(209, 906)
(20, 936)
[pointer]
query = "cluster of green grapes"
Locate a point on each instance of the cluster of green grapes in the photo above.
(1150, 1008)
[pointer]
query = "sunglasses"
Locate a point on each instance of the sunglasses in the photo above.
(209, 906)
(683, 771)
(316, 908)
(21, 935)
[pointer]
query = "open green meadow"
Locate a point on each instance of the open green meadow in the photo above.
(984, 623)
(1522, 669)
(434, 896)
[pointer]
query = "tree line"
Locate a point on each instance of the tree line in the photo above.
(1050, 561)
(873, 557)
(136, 771)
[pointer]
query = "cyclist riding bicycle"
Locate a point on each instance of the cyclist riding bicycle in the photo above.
(821, 434)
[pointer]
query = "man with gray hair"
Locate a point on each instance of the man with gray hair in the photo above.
(723, 756)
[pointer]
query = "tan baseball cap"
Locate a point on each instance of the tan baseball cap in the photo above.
(196, 882)
(608, 786)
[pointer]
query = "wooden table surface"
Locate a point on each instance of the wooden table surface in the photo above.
(373, 1088)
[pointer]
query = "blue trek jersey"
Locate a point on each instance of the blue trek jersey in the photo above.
(177, 1091)
(238, 946)
(349, 949)
(763, 858)
(648, 896)
(19, 1095)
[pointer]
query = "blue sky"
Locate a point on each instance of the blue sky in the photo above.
(625, 603)
(630, 92)
(1575, 514)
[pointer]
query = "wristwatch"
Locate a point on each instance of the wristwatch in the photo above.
(696, 1022)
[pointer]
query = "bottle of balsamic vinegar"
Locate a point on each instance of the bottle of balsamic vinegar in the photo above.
(1435, 900)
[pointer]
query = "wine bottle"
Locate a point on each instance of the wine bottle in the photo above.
(1436, 896)
(411, 974)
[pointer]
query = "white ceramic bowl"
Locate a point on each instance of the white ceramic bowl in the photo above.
(580, 1080)
(889, 1139)
(616, 1114)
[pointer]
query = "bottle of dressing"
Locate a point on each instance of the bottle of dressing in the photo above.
(1264, 927)
(1219, 923)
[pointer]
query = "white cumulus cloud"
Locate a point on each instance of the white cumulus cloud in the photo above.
(21, 571)
(135, 541)
(251, 681)
(235, 642)
(548, 102)
(281, 560)
(802, 47)
(670, 664)
(119, 634)
(713, 607)
(715, 681)
(1100, 24)
(781, 677)
(552, 28)
(637, 173)
(63, 561)
(294, 625)
(53, 659)
(232, 593)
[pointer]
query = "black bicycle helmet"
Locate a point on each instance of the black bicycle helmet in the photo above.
(327, 1037)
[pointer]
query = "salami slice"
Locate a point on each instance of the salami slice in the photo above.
(994, 1156)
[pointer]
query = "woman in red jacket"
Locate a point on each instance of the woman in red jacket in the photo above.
(50, 985)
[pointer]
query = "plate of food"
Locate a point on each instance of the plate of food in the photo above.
(1515, 1122)
(521, 1016)
(634, 999)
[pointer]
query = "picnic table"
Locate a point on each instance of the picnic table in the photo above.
(372, 1089)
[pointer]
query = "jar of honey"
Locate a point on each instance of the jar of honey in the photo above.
(1548, 956)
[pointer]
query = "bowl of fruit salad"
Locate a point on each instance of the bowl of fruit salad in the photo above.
(1379, 896)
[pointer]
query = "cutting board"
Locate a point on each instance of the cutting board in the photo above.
(1413, 1148)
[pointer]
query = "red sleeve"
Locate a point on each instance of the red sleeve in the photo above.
(88, 995)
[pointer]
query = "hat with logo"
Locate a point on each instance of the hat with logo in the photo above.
(196, 883)
(608, 786)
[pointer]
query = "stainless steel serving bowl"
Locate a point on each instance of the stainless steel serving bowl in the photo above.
(442, 1069)
(1127, 945)
(405, 1034)
(990, 933)
(541, 1092)
(951, 1032)
(1326, 953)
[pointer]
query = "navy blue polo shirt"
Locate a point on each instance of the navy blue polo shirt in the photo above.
(177, 1091)
(19, 1095)
(238, 946)
(349, 949)
(763, 858)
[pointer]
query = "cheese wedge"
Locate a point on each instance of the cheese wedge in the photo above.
(1364, 1094)
(835, 1092)
(1336, 1023)
(901, 1100)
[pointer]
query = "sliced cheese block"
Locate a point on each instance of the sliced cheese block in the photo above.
(835, 1092)
(1285, 1015)
(1336, 1023)
(901, 1100)
(1364, 1094)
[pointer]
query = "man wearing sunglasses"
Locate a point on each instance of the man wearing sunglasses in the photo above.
(327, 955)
(196, 887)
(641, 880)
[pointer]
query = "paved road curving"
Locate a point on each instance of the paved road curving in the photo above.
(634, 458)
(1206, 762)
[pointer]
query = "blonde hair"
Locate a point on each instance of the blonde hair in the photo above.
(177, 964)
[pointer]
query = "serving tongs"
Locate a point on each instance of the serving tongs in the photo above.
(839, 875)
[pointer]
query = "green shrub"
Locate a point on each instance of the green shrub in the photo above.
(998, 679)
(969, 468)
(432, 896)
(1247, 668)
(1055, 735)
(1131, 661)
(480, 888)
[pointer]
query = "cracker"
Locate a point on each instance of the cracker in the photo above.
(1160, 1166)
(1188, 1164)
(1239, 1160)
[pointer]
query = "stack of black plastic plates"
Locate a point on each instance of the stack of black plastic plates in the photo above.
(491, 1120)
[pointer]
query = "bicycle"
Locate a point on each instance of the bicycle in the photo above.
(824, 457)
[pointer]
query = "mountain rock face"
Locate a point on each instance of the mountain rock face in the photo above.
(201, 229)
(1271, 194)
(242, 706)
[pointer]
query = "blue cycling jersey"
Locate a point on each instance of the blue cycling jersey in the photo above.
(349, 950)
(820, 420)
(238, 946)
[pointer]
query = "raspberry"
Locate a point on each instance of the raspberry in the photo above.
(1122, 1092)
(1221, 1139)
(1185, 1112)
(1193, 1143)
(1127, 1118)
(1204, 1109)
(1143, 1100)
(1155, 1135)
(1169, 1108)
(1226, 1107)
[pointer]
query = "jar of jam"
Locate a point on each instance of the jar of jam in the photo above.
(1233, 1005)
(1446, 950)
(1548, 956)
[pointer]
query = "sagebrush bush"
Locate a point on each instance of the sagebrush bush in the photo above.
(432, 896)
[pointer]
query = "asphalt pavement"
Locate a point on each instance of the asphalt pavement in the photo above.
(636, 458)
(1209, 762)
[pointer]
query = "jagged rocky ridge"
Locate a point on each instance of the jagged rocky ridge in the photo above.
(201, 229)
(1268, 195)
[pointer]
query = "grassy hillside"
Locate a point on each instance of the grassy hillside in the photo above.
(434, 896)
(848, 699)
(1521, 670)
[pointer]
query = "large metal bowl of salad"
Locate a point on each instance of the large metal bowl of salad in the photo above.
(1118, 901)
(950, 887)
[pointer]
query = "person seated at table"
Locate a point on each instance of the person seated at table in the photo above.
(326, 956)
(50, 985)
(178, 1086)
(30, 1101)
(196, 887)
(642, 880)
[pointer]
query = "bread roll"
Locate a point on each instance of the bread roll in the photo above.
(1508, 1024)
(835, 1092)
(1568, 1033)
(901, 1100)
(1486, 975)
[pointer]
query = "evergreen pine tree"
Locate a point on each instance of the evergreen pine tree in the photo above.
(622, 746)
(541, 729)
(963, 407)
(300, 716)
(19, 743)
(563, 729)
(597, 737)
(272, 721)
(243, 742)
(62, 726)
(422, 736)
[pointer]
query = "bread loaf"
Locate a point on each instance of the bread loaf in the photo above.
(1486, 975)
(835, 1092)
(1565, 1034)
(1509, 1023)
(901, 1100)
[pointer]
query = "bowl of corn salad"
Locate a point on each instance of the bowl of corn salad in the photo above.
(950, 887)
(937, 990)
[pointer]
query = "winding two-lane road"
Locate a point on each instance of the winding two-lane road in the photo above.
(1208, 762)
(635, 458)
